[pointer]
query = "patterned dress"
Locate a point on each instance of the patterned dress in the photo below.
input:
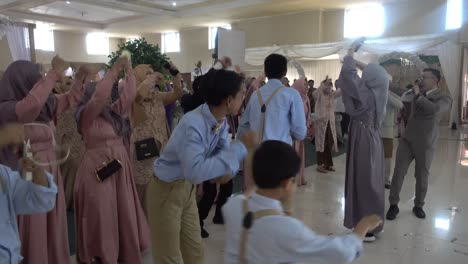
(155, 126)
(68, 136)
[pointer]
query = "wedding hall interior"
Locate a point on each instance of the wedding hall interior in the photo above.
(404, 37)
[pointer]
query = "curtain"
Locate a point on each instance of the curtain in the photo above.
(450, 61)
(316, 70)
(18, 41)
(445, 46)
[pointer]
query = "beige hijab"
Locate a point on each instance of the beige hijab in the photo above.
(138, 115)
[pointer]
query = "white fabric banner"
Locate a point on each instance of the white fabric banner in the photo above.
(445, 46)
(450, 60)
(18, 41)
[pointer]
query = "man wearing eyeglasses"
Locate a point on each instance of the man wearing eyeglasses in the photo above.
(429, 103)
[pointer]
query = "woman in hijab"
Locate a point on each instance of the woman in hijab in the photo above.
(148, 119)
(252, 85)
(67, 135)
(27, 97)
(301, 86)
(110, 224)
(325, 129)
(365, 100)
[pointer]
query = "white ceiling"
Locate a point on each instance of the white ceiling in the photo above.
(136, 17)
(80, 11)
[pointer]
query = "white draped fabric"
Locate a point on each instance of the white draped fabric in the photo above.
(18, 41)
(316, 70)
(450, 60)
(446, 47)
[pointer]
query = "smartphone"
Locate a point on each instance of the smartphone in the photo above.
(108, 170)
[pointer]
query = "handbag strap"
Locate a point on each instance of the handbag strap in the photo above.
(263, 109)
(246, 226)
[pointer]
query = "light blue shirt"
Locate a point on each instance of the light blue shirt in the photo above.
(197, 152)
(279, 239)
(19, 197)
(284, 114)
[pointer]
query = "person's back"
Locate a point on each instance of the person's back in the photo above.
(284, 110)
(273, 237)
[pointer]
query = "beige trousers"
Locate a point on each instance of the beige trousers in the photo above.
(174, 222)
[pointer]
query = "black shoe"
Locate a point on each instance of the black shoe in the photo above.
(218, 219)
(419, 212)
(387, 186)
(204, 233)
(392, 212)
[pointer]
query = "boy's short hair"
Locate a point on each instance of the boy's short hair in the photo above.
(434, 72)
(276, 66)
(273, 162)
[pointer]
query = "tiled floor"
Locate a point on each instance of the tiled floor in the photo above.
(440, 239)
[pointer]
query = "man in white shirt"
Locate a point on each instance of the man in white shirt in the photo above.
(269, 236)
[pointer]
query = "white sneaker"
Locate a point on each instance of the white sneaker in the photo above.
(369, 238)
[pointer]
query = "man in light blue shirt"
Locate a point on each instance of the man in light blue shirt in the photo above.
(258, 231)
(185, 157)
(198, 150)
(18, 197)
(284, 114)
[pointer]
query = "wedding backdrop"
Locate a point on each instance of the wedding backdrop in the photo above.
(319, 60)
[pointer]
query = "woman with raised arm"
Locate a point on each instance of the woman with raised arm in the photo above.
(149, 122)
(365, 100)
(27, 97)
(110, 224)
(325, 129)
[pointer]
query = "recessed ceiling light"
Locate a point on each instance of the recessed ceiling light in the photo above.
(68, 2)
(174, 4)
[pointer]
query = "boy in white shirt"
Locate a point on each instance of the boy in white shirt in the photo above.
(257, 231)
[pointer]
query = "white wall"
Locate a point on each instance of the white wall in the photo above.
(193, 47)
(69, 45)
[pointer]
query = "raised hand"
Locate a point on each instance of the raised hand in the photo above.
(119, 65)
(58, 65)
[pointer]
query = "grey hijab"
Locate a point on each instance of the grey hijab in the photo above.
(121, 125)
(374, 77)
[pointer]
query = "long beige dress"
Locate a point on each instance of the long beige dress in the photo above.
(154, 126)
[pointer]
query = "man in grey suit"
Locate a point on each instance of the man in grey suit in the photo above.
(418, 143)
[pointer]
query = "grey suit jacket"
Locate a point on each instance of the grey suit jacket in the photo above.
(426, 113)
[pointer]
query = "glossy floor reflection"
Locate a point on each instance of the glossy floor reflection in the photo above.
(441, 238)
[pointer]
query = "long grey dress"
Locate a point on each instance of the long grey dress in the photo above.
(365, 101)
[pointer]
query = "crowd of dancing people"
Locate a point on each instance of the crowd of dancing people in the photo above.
(104, 146)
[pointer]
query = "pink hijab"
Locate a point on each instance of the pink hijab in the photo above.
(299, 85)
(252, 84)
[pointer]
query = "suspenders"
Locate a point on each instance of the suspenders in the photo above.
(247, 223)
(263, 109)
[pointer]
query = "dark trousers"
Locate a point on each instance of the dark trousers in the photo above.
(209, 196)
(345, 123)
(325, 157)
